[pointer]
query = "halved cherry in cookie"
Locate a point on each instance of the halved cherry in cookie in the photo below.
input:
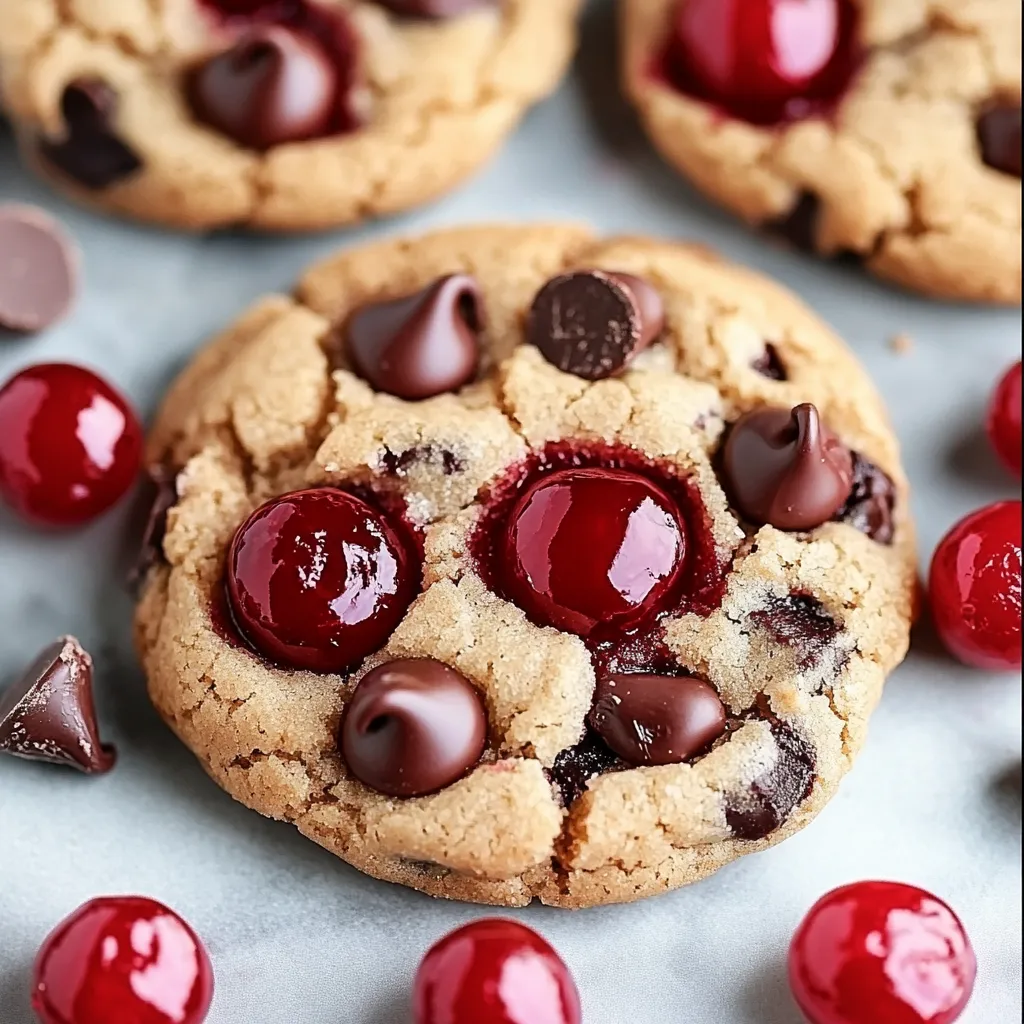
(764, 61)
(319, 579)
(588, 550)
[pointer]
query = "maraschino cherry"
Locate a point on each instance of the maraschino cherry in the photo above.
(975, 587)
(1004, 419)
(881, 953)
(318, 579)
(590, 549)
(494, 971)
(765, 60)
(122, 960)
(70, 445)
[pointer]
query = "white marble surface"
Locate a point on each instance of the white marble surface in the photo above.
(299, 938)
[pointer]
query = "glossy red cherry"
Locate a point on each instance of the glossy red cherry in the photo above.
(1004, 418)
(975, 587)
(70, 445)
(122, 960)
(494, 972)
(765, 60)
(592, 548)
(318, 579)
(881, 953)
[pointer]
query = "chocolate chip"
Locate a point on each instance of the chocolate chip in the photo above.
(799, 227)
(273, 86)
(651, 720)
(433, 8)
(575, 766)
(399, 463)
(871, 505)
(772, 797)
(799, 621)
(412, 727)
(38, 269)
(48, 715)
(769, 365)
(592, 323)
(420, 345)
(785, 468)
(999, 137)
(91, 152)
(161, 495)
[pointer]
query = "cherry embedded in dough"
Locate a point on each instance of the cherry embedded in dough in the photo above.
(881, 953)
(70, 445)
(593, 550)
(122, 960)
(319, 579)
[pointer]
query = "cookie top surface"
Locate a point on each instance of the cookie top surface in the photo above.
(751, 655)
(893, 135)
(206, 113)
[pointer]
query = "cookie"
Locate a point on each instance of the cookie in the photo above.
(887, 130)
(200, 114)
(626, 575)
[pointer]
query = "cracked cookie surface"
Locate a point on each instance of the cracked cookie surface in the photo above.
(912, 167)
(794, 631)
(101, 94)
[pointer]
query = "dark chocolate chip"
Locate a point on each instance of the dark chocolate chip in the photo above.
(49, 715)
(412, 727)
(592, 323)
(785, 468)
(161, 495)
(419, 345)
(272, 87)
(769, 801)
(575, 766)
(399, 463)
(433, 8)
(650, 720)
(871, 505)
(38, 269)
(799, 621)
(999, 138)
(91, 151)
(799, 227)
(769, 365)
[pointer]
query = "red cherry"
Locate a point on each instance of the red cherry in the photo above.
(318, 580)
(1004, 419)
(975, 587)
(70, 445)
(122, 960)
(494, 972)
(765, 60)
(589, 548)
(881, 953)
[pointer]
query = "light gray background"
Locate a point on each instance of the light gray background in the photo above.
(296, 936)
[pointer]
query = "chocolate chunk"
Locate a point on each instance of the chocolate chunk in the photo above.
(49, 715)
(420, 345)
(999, 137)
(769, 365)
(91, 152)
(799, 621)
(592, 323)
(399, 463)
(273, 86)
(412, 727)
(575, 766)
(872, 502)
(799, 227)
(38, 269)
(161, 495)
(651, 720)
(773, 796)
(433, 8)
(786, 468)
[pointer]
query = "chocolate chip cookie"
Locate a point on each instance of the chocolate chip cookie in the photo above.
(279, 114)
(889, 130)
(507, 563)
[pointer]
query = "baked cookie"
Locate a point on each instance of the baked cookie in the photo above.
(884, 129)
(507, 563)
(286, 116)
